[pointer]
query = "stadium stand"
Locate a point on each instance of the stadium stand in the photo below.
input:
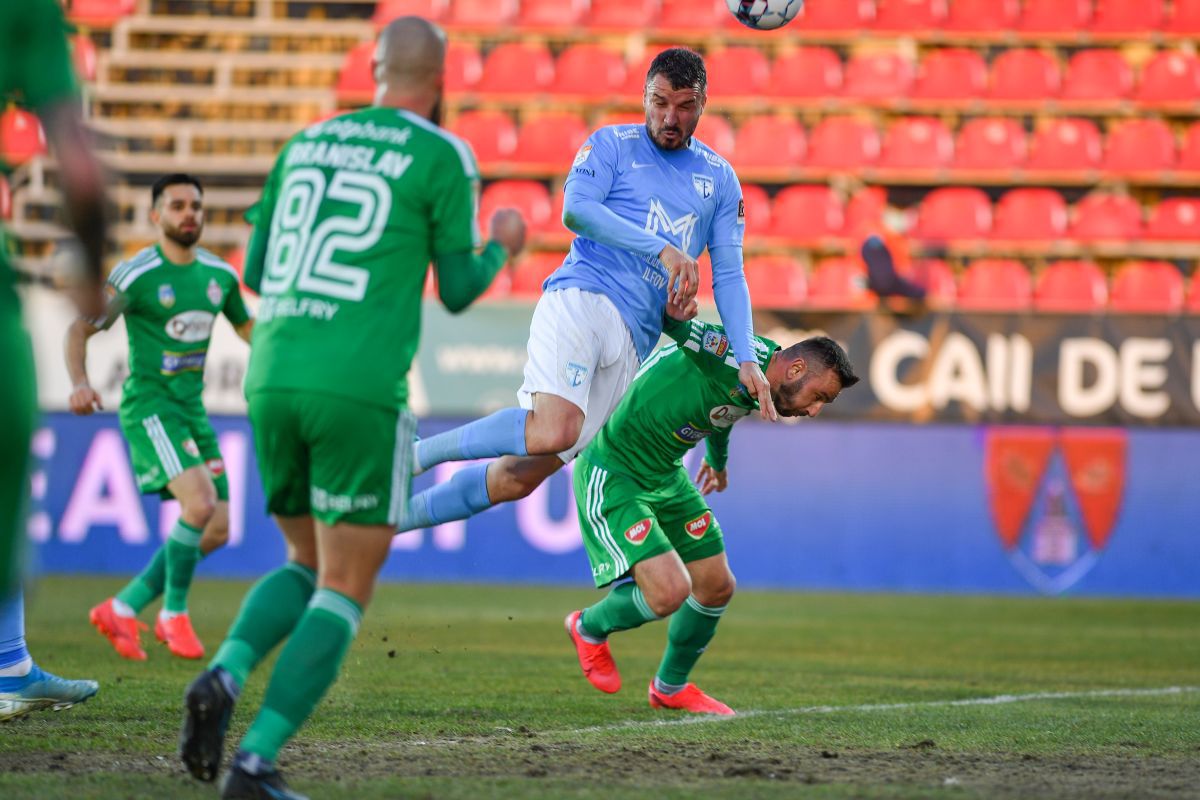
(1147, 287)
(995, 285)
(1071, 286)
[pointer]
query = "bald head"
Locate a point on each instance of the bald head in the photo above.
(410, 54)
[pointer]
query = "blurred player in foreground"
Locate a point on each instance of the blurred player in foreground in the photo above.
(170, 294)
(641, 516)
(351, 216)
(35, 70)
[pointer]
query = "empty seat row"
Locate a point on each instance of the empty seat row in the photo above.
(1103, 18)
(1169, 77)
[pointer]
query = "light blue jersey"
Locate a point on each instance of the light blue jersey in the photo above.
(689, 198)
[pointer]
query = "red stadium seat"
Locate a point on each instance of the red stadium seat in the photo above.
(1170, 76)
(1072, 287)
(355, 84)
(806, 72)
(1106, 216)
(776, 282)
(5, 199)
(955, 212)
(716, 132)
(388, 10)
(840, 283)
(84, 57)
(517, 68)
(737, 72)
(995, 284)
(100, 13)
(1127, 17)
(767, 142)
(1185, 19)
(1147, 287)
(1175, 218)
(878, 76)
(990, 143)
(532, 272)
(21, 137)
(483, 14)
(1193, 295)
(1030, 215)
(836, 15)
(492, 134)
(935, 276)
(693, 15)
(951, 73)
(1024, 75)
(757, 206)
(843, 143)
(551, 140)
(864, 211)
(917, 143)
(621, 118)
(552, 14)
(1066, 145)
(529, 197)
(464, 66)
(1139, 145)
(983, 16)
(623, 15)
(1097, 75)
(910, 15)
(1189, 154)
(1055, 16)
(807, 214)
(588, 70)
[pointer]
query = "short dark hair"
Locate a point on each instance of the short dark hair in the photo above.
(174, 179)
(826, 352)
(682, 67)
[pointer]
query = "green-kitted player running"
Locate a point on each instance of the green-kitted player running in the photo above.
(641, 516)
(170, 295)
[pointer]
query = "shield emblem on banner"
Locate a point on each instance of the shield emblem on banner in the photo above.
(1055, 497)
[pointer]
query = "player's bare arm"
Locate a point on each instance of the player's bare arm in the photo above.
(84, 399)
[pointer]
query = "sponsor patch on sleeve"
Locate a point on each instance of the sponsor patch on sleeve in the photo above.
(716, 343)
(583, 155)
(741, 217)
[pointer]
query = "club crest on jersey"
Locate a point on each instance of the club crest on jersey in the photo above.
(190, 447)
(703, 184)
(637, 532)
(583, 155)
(216, 467)
(166, 295)
(575, 373)
(214, 292)
(697, 527)
(716, 343)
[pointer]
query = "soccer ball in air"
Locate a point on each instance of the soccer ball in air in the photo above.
(764, 15)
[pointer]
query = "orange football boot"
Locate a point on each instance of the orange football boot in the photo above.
(595, 659)
(177, 634)
(689, 698)
(123, 632)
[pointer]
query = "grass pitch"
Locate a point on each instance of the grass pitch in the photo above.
(473, 692)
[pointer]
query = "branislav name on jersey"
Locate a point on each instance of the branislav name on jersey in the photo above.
(356, 157)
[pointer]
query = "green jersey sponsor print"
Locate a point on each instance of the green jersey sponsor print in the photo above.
(685, 393)
(353, 212)
(169, 314)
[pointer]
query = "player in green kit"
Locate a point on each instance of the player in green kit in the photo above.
(351, 216)
(170, 294)
(642, 517)
(35, 72)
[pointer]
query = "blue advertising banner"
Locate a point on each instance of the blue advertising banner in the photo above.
(816, 505)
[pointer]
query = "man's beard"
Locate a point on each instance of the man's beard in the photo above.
(185, 239)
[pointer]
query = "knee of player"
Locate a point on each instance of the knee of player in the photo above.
(200, 509)
(717, 592)
(668, 599)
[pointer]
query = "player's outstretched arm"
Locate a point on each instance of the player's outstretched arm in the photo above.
(84, 399)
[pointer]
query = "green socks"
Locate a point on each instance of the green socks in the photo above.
(306, 668)
(146, 585)
(691, 629)
(183, 553)
(270, 612)
(625, 607)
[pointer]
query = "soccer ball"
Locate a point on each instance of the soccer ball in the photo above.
(764, 15)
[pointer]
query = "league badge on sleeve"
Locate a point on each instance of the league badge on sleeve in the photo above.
(583, 155)
(715, 343)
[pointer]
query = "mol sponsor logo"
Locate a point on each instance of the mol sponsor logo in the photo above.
(697, 527)
(636, 533)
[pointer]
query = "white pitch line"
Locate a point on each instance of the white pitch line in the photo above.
(1000, 699)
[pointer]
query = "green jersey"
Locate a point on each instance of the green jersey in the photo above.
(685, 393)
(169, 314)
(353, 212)
(35, 72)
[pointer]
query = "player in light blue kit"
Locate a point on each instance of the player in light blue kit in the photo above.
(645, 201)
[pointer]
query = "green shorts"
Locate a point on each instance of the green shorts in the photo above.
(332, 458)
(623, 523)
(165, 443)
(18, 409)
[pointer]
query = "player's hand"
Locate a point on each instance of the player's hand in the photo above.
(682, 311)
(683, 274)
(508, 228)
(751, 376)
(711, 480)
(84, 400)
